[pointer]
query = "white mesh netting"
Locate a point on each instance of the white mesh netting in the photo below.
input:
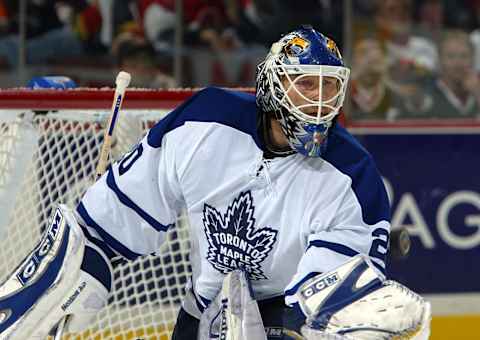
(50, 157)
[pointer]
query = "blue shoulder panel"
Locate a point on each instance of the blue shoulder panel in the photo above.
(232, 108)
(346, 154)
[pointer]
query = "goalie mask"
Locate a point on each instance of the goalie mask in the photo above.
(303, 81)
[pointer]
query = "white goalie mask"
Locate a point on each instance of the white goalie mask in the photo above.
(303, 82)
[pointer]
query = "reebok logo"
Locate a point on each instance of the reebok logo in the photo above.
(74, 296)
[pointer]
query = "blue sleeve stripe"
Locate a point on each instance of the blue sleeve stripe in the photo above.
(293, 290)
(99, 243)
(379, 267)
(336, 247)
(129, 203)
(341, 249)
(112, 242)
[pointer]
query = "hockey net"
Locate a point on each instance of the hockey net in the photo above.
(49, 145)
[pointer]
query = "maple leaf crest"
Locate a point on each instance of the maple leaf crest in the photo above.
(233, 240)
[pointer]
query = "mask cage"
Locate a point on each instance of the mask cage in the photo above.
(332, 104)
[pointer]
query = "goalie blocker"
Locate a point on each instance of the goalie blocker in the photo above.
(65, 275)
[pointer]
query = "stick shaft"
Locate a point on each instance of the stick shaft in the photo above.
(122, 81)
(107, 138)
(60, 328)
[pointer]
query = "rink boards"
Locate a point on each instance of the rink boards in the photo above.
(432, 177)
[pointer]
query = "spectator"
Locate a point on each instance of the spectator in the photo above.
(260, 21)
(3, 18)
(475, 34)
(393, 27)
(431, 19)
(204, 20)
(135, 56)
(41, 17)
(76, 33)
(461, 14)
(456, 91)
(371, 97)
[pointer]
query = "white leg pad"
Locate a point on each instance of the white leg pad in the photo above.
(50, 284)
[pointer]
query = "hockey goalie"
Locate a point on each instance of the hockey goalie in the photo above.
(289, 219)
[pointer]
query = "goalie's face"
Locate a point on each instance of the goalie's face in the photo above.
(311, 99)
(303, 82)
(313, 95)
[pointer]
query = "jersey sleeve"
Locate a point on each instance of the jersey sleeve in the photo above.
(140, 197)
(360, 225)
(135, 202)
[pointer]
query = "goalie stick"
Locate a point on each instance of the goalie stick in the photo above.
(122, 81)
(121, 84)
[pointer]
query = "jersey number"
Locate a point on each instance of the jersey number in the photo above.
(130, 158)
(379, 244)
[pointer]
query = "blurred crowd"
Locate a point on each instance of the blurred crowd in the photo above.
(223, 40)
(415, 59)
(409, 59)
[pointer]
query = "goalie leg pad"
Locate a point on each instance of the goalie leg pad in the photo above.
(52, 282)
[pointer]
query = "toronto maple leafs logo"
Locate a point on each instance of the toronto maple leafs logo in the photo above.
(233, 240)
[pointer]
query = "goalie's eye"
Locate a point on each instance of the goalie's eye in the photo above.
(306, 84)
(303, 83)
(308, 87)
(330, 82)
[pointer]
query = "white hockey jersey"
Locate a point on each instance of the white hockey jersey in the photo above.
(283, 219)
